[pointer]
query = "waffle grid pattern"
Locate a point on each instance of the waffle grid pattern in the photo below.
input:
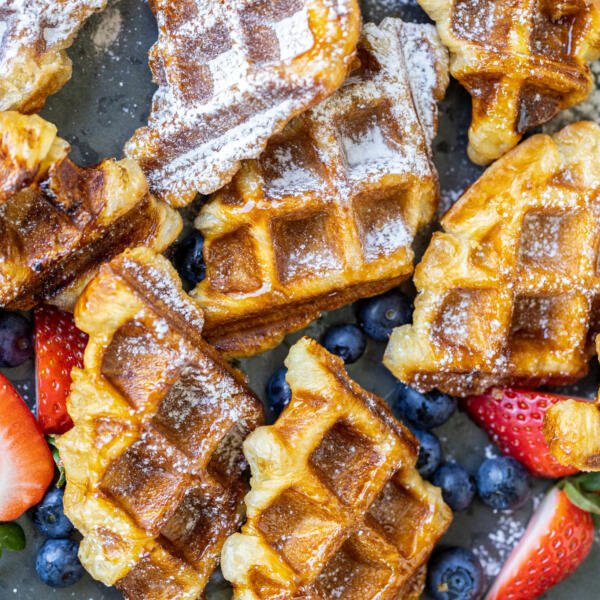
(336, 507)
(231, 74)
(522, 61)
(329, 212)
(509, 292)
(154, 464)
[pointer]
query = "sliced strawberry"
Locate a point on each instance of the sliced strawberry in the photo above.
(26, 463)
(514, 421)
(59, 347)
(557, 540)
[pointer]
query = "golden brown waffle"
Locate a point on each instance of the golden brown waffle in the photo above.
(522, 61)
(58, 221)
(329, 212)
(34, 35)
(572, 430)
(510, 293)
(154, 464)
(230, 74)
(336, 507)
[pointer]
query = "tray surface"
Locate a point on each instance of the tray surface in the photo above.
(107, 98)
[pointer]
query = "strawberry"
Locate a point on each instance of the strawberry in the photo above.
(514, 421)
(26, 464)
(59, 347)
(557, 540)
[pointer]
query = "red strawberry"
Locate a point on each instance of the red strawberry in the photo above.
(59, 347)
(557, 540)
(514, 420)
(26, 463)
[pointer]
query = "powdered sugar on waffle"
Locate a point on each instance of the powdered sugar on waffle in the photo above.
(166, 290)
(33, 36)
(589, 109)
(293, 178)
(194, 142)
(385, 240)
(372, 146)
(43, 24)
(413, 75)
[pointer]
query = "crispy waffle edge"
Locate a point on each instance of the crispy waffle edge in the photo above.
(306, 520)
(490, 271)
(140, 549)
(60, 221)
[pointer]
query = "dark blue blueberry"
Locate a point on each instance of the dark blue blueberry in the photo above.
(455, 574)
(430, 452)
(379, 315)
(424, 410)
(278, 392)
(503, 483)
(347, 341)
(49, 517)
(458, 487)
(57, 564)
(16, 339)
(188, 258)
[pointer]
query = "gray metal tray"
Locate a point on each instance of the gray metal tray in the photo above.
(107, 98)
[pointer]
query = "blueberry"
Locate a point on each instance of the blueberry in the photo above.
(430, 452)
(49, 518)
(455, 574)
(424, 410)
(347, 341)
(278, 391)
(188, 259)
(16, 339)
(458, 487)
(57, 564)
(503, 483)
(379, 315)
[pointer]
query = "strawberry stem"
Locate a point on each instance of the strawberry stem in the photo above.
(582, 491)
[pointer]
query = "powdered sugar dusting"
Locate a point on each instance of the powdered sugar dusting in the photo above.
(29, 31)
(501, 542)
(307, 258)
(292, 178)
(368, 146)
(294, 35)
(242, 90)
(427, 65)
(339, 181)
(386, 239)
(589, 109)
(168, 290)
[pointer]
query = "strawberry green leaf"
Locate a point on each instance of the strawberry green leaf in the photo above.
(12, 537)
(590, 482)
(57, 460)
(587, 502)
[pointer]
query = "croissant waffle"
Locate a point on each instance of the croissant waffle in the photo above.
(509, 293)
(154, 462)
(336, 507)
(230, 74)
(329, 212)
(34, 35)
(58, 221)
(522, 61)
(572, 430)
